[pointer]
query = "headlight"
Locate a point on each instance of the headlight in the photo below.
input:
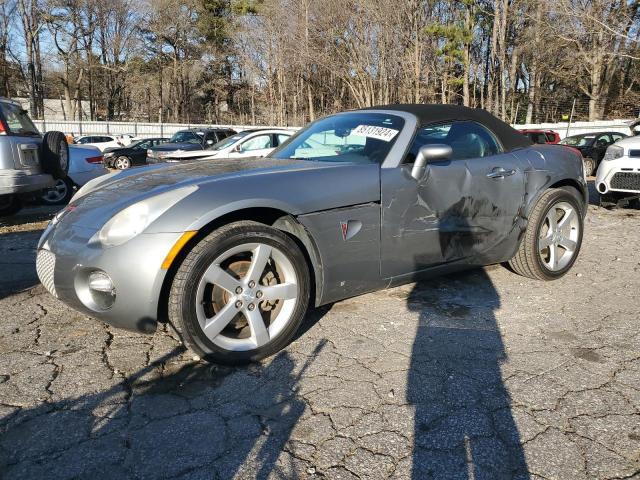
(150, 153)
(613, 152)
(133, 220)
(108, 155)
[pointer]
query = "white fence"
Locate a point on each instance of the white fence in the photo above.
(145, 130)
(142, 130)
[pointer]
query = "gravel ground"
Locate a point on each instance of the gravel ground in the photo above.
(481, 375)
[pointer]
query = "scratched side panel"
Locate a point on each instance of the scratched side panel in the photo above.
(351, 265)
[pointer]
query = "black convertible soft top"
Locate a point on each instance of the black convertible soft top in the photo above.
(510, 138)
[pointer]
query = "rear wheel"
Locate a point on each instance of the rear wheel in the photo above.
(9, 205)
(553, 238)
(240, 294)
(122, 163)
(59, 194)
(589, 166)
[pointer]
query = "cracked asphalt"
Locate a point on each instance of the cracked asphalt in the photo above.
(481, 375)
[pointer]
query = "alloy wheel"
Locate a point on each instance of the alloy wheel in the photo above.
(247, 296)
(56, 193)
(559, 234)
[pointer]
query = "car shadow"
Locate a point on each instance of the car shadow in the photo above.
(463, 427)
(164, 421)
(18, 261)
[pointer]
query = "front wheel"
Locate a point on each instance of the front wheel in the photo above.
(553, 238)
(240, 294)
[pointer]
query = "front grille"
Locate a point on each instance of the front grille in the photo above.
(45, 266)
(626, 181)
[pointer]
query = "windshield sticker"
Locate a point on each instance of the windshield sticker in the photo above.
(380, 133)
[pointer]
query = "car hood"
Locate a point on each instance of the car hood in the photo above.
(170, 147)
(296, 186)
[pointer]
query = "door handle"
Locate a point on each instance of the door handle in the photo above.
(500, 172)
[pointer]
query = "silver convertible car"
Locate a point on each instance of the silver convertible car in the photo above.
(232, 253)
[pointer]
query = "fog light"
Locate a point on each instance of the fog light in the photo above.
(602, 188)
(99, 292)
(101, 282)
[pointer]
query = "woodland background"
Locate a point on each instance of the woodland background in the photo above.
(286, 62)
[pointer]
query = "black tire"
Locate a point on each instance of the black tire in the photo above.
(55, 154)
(64, 188)
(122, 163)
(182, 297)
(589, 166)
(527, 261)
(9, 205)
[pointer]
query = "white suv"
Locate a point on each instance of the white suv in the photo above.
(618, 177)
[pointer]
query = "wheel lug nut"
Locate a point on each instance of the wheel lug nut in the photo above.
(238, 290)
(238, 304)
(251, 307)
(259, 294)
(252, 284)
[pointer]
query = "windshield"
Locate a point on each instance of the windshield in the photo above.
(186, 137)
(228, 141)
(17, 119)
(358, 137)
(579, 140)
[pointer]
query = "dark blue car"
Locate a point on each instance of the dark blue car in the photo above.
(188, 140)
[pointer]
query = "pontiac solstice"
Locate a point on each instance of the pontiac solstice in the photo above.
(232, 253)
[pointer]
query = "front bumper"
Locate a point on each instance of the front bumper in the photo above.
(620, 175)
(23, 181)
(66, 257)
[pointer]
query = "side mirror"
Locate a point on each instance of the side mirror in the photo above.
(428, 154)
(237, 148)
(210, 142)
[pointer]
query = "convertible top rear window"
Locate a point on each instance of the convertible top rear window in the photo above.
(349, 137)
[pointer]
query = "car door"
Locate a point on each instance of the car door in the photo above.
(139, 151)
(600, 146)
(256, 146)
(461, 209)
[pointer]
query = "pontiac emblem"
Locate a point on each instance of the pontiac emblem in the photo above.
(344, 227)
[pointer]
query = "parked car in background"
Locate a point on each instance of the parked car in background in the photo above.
(126, 139)
(248, 143)
(85, 163)
(29, 162)
(134, 154)
(189, 140)
(101, 141)
(541, 136)
(618, 177)
(592, 146)
(232, 254)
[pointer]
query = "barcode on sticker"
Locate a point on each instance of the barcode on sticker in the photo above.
(380, 133)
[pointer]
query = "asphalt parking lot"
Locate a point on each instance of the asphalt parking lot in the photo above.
(481, 375)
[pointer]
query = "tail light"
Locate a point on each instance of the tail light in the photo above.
(94, 160)
(3, 128)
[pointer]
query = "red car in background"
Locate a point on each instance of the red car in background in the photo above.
(542, 136)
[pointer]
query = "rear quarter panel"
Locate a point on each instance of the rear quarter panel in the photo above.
(546, 166)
